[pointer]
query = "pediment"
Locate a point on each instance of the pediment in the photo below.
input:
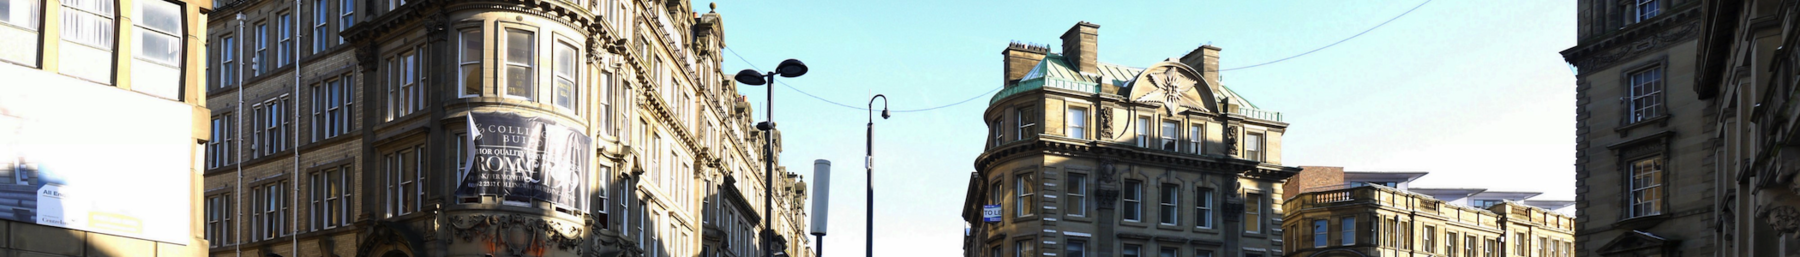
(1175, 87)
(1633, 243)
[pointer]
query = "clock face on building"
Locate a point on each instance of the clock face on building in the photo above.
(1171, 86)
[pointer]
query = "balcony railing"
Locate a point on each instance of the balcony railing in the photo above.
(1258, 114)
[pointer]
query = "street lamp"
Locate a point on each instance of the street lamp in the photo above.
(869, 165)
(788, 68)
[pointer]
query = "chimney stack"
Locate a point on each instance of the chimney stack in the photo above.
(1019, 58)
(1206, 60)
(1081, 45)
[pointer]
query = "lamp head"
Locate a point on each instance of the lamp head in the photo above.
(884, 113)
(751, 77)
(791, 68)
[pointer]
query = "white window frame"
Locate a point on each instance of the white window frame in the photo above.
(92, 24)
(508, 63)
(1171, 135)
(1143, 131)
(346, 17)
(567, 77)
(1196, 138)
(465, 60)
(261, 61)
(1646, 94)
(228, 63)
(158, 72)
(1321, 233)
(1077, 123)
(1643, 10)
(1253, 207)
(1645, 183)
(1253, 146)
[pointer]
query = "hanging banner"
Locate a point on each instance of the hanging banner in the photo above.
(523, 159)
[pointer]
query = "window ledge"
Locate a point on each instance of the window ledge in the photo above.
(1661, 120)
(1641, 222)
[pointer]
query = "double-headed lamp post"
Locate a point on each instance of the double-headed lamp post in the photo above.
(788, 68)
(869, 166)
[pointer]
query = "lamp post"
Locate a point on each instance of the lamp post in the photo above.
(869, 166)
(788, 68)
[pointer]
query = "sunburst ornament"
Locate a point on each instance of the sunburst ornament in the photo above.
(1170, 85)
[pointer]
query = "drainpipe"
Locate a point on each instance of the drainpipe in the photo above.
(239, 148)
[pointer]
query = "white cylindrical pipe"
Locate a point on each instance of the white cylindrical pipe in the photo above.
(821, 195)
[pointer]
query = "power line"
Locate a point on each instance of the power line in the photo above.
(997, 89)
(1358, 34)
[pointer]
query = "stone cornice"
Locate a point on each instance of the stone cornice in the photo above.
(1246, 168)
(1635, 40)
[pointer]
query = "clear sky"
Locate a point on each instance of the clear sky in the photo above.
(1472, 91)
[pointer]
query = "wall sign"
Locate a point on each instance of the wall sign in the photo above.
(524, 158)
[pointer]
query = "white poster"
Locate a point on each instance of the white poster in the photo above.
(86, 156)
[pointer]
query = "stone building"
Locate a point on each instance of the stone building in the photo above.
(1645, 166)
(1748, 69)
(1088, 158)
(483, 128)
(1376, 220)
(102, 120)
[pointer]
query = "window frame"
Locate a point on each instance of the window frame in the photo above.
(503, 50)
(284, 48)
(321, 21)
(1168, 204)
(573, 77)
(1132, 196)
(463, 60)
(1645, 200)
(1170, 135)
(1076, 122)
(1075, 202)
(1203, 208)
(1253, 209)
(1347, 230)
(1255, 140)
(1025, 189)
(1644, 93)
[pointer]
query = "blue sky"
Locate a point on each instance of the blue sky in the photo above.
(1472, 91)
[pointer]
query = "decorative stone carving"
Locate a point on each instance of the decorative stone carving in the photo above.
(1231, 140)
(1639, 47)
(1106, 127)
(516, 234)
(1169, 87)
(1784, 219)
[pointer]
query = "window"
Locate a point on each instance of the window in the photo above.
(1484, 203)
(1167, 252)
(1167, 214)
(1132, 250)
(330, 202)
(1644, 10)
(23, 17)
(218, 219)
(1025, 185)
(1023, 248)
(1171, 134)
(1487, 247)
(1405, 230)
(1203, 253)
(1076, 201)
(219, 150)
(321, 17)
(346, 16)
(1253, 146)
(331, 108)
(157, 69)
(1646, 94)
(405, 95)
(999, 135)
(1075, 248)
(1348, 229)
(404, 173)
(261, 61)
(1077, 123)
(604, 119)
(1469, 245)
(1143, 132)
(1022, 117)
(1321, 233)
(1134, 197)
(228, 62)
(470, 62)
(566, 76)
(273, 210)
(1450, 243)
(1196, 134)
(1253, 205)
(1646, 187)
(1543, 246)
(271, 127)
(519, 63)
(286, 48)
(997, 194)
(1430, 236)
(1203, 207)
(1519, 242)
(994, 252)
(88, 33)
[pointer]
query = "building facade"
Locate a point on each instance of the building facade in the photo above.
(1086, 158)
(1325, 178)
(1645, 168)
(484, 128)
(138, 66)
(1376, 220)
(1748, 69)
